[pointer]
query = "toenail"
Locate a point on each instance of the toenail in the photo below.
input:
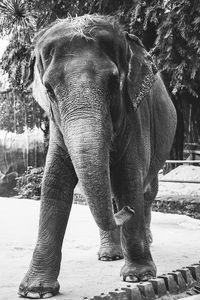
(130, 278)
(146, 277)
(33, 295)
(48, 295)
(105, 258)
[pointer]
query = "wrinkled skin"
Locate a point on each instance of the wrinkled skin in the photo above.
(112, 126)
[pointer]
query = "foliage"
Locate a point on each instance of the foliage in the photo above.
(19, 111)
(17, 108)
(15, 15)
(169, 28)
(18, 22)
(22, 19)
(47, 11)
(177, 47)
(29, 184)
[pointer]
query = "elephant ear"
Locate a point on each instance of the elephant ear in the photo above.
(38, 89)
(141, 71)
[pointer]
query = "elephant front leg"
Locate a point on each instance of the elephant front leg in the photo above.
(128, 191)
(57, 194)
(110, 245)
(139, 265)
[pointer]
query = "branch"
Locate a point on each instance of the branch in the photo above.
(5, 91)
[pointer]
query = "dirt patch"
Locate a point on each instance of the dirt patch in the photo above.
(179, 198)
(176, 244)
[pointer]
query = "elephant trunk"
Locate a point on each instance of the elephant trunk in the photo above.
(88, 146)
(87, 130)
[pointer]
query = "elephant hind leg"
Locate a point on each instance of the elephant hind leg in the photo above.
(149, 197)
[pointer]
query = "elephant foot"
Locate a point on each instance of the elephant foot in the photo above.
(110, 253)
(40, 281)
(110, 248)
(38, 288)
(134, 272)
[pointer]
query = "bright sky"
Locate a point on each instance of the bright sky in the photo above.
(3, 44)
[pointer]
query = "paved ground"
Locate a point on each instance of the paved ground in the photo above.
(176, 244)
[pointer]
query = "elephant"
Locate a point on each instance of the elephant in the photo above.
(112, 125)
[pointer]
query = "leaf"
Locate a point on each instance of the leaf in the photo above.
(196, 21)
(194, 71)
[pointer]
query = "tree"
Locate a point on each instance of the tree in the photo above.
(18, 109)
(20, 20)
(176, 50)
(16, 21)
(169, 29)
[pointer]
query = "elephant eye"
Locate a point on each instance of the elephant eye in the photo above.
(113, 82)
(51, 52)
(50, 92)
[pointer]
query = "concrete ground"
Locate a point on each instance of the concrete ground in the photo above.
(176, 244)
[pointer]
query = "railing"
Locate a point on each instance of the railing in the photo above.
(181, 162)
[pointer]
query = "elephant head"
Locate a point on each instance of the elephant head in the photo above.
(88, 76)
